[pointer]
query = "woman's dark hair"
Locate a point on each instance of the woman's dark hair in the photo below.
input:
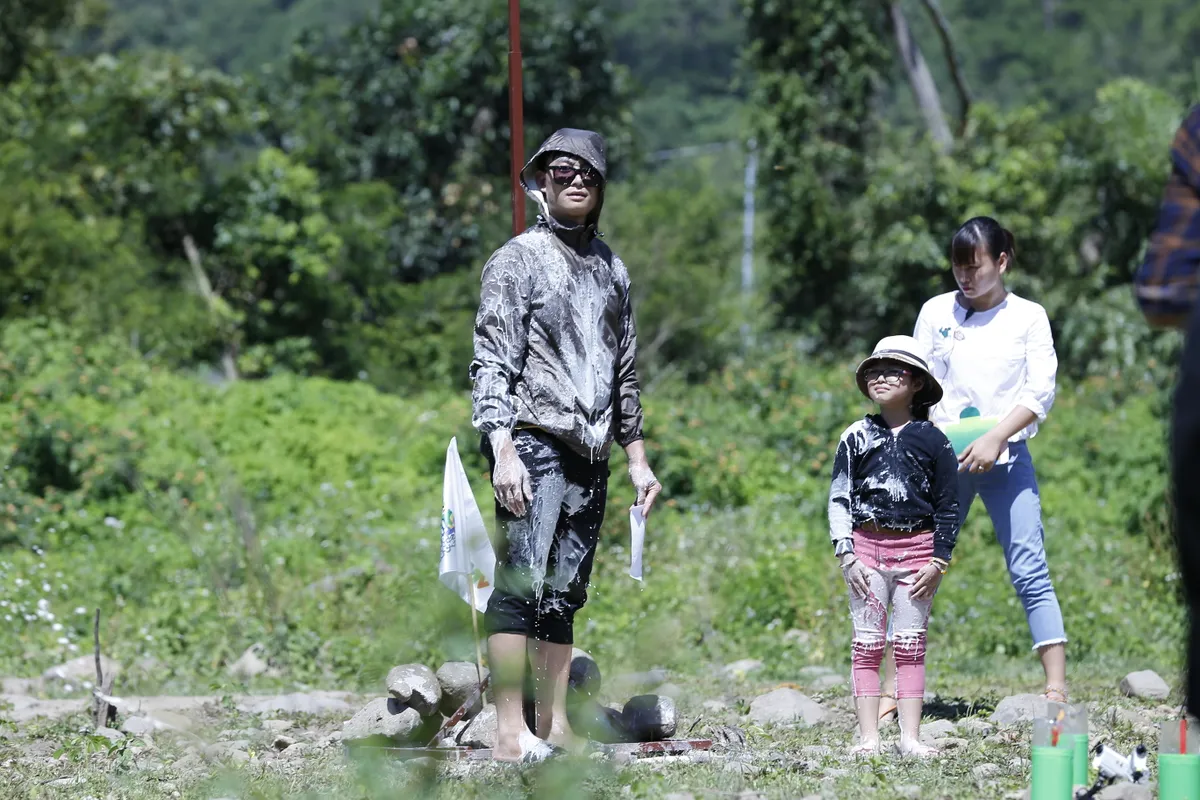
(981, 233)
(921, 412)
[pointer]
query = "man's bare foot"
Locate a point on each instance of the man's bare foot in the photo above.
(508, 752)
(867, 747)
(567, 741)
(913, 748)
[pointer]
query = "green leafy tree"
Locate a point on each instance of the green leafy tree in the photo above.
(417, 98)
(819, 67)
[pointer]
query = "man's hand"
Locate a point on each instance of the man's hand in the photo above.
(929, 577)
(510, 478)
(981, 454)
(858, 577)
(642, 477)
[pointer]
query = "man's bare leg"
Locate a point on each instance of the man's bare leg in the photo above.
(551, 677)
(506, 652)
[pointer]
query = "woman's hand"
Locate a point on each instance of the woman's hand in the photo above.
(929, 577)
(857, 576)
(981, 454)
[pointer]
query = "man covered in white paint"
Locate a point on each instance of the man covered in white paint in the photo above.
(555, 383)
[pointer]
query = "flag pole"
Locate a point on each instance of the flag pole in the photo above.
(516, 107)
(478, 649)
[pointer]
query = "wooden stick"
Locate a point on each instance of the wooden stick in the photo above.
(516, 109)
(103, 711)
(478, 650)
(460, 713)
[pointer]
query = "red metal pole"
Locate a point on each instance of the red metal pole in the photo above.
(516, 108)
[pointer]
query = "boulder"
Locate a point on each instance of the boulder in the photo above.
(649, 718)
(1019, 708)
(78, 670)
(383, 721)
(1146, 684)
(786, 707)
(416, 686)
(251, 664)
(481, 730)
(938, 729)
(585, 676)
(458, 680)
(598, 723)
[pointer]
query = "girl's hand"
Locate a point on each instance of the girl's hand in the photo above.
(981, 454)
(857, 576)
(929, 577)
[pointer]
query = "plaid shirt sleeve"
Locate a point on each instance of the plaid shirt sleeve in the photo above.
(1168, 281)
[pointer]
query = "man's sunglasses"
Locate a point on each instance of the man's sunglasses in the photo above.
(889, 374)
(564, 175)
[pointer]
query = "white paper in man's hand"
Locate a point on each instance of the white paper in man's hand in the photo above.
(637, 533)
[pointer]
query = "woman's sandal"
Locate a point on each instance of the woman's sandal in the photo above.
(1053, 694)
(888, 708)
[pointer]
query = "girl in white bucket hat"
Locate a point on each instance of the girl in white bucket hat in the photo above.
(893, 519)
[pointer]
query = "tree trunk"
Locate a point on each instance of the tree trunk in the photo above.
(956, 71)
(1049, 7)
(920, 79)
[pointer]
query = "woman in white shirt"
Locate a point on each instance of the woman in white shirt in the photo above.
(993, 354)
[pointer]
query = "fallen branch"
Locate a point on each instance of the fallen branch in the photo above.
(920, 79)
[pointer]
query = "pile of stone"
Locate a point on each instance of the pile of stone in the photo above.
(421, 701)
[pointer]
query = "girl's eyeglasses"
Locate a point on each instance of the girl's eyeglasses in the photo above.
(564, 175)
(891, 375)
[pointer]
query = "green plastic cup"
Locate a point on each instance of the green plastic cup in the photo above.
(1178, 776)
(1079, 742)
(1053, 769)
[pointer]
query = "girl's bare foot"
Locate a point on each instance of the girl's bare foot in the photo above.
(867, 747)
(913, 748)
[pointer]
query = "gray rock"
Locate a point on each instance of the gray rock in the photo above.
(81, 669)
(138, 726)
(907, 791)
(110, 734)
(1127, 791)
(278, 725)
(680, 796)
(382, 719)
(786, 707)
(416, 686)
(950, 743)
(314, 703)
(584, 676)
(251, 664)
(715, 706)
(297, 750)
(481, 731)
(597, 723)
(984, 771)
(817, 751)
(649, 718)
(740, 669)
(1145, 684)
(1019, 708)
(978, 727)
(938, 729)
(458, 680)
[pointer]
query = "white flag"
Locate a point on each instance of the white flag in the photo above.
(467, 555)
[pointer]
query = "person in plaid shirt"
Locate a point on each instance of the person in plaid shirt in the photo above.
(1166, 289)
